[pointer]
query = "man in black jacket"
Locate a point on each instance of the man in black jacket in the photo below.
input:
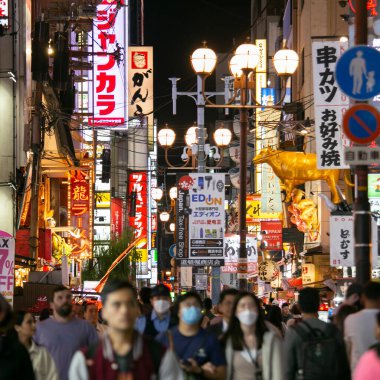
(160, 319)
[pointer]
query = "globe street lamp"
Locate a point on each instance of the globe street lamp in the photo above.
(242, 65)
(193, 149)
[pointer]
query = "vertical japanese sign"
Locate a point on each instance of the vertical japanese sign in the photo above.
(4, 13)
(140, 80)
(231, 254)
(184, 184)
(206, 220)
(329, 105)
(270, 191)
(138, 183)
(342, 241)
(110, 37)
(80, 206)
(273, 234)
(116, 217)
(140, 84)
(7, 260)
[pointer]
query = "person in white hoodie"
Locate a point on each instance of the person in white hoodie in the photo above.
(253, 351)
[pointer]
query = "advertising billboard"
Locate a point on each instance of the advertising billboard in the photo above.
(108, 99)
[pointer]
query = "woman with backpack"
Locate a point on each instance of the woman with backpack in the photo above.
(253, 352)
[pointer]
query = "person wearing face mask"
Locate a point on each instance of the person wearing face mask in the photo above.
(253, 351)
(200, 353)
(160, 319)
(24, 329)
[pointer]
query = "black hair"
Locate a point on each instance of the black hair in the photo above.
(295, 309)
(207, 304)
(235, 332)
(44, 314)
(115, 285)
(87, 304)
(371, 291)
(308, 300)
(186, 296)
(58, 289)
(343, 312)
(18, 319)
(144, 295)
(227, 292)
(285, 304)
(8, 314)
(275, 317)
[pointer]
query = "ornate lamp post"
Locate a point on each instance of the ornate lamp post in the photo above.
(242, 64)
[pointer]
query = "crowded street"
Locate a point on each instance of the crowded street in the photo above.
(189, 189)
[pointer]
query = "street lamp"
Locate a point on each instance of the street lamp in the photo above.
(164, 216)
(156, 193)
(193, 148)
(242, 65)
(173, 193)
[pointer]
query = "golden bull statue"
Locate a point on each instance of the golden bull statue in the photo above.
(296, 168)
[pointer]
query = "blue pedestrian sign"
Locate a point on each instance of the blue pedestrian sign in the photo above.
(357, 72)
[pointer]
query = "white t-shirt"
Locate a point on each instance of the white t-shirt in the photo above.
(359, 333)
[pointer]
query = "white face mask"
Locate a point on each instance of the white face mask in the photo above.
(161, 306)
(247, 317)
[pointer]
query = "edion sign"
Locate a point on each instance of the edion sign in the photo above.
(110, 37)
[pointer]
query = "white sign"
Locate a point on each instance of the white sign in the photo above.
(342, 241)
(207, 218)
(110, 40)
(140, 82)
(362, 155)
(270, 192)
(329, 105)
(231, 254)
(7, 260)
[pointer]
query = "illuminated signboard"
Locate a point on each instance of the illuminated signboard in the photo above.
(4, 13)
(138, 183)
(80, 206)
(110, 36)
(371, 6)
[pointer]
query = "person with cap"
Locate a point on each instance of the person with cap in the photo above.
(160, 319)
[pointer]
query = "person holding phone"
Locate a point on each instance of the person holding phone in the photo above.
(199, 351)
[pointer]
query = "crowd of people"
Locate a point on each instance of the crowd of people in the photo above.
(146, 336)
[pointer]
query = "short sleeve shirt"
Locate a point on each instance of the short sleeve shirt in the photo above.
(203, 347)
(62, 340)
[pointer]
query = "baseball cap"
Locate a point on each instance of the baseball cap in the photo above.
(160, 290)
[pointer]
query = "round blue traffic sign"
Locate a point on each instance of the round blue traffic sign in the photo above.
(361, 123)
(357, 72)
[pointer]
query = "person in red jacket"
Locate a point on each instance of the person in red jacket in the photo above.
(122, 352)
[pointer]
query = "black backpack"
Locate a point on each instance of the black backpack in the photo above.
(319, 353)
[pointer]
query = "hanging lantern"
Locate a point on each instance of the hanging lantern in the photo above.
(268, 271)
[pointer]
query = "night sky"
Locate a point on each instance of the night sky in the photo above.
(176, 28)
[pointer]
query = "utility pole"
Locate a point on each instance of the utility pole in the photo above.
(242, 264)
(362, 213)
(36, 149)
